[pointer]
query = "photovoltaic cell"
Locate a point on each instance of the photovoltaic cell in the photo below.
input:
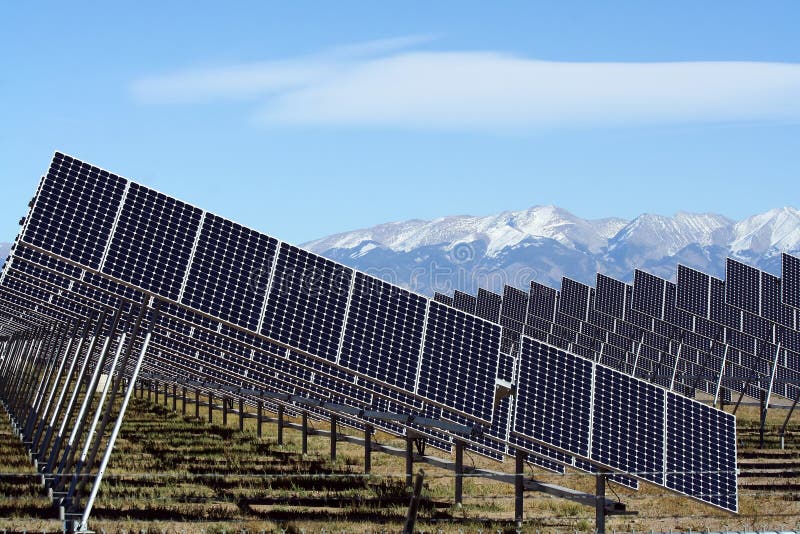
(152, 242)
(542, 301)
(742, 288)
(721, 312)
(75, 210)
(648, 294)
(383, 335)
(459, 361)
(574, 299)
(488, 305)
(706, 473)
(554, 397)
(694, 291)
(628, 424)
(610, 296)
(307, 302)
(790, 274)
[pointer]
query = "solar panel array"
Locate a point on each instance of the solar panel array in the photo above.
(244, 308)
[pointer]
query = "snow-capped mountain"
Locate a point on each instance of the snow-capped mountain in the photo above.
(4, 250)
(544, 243)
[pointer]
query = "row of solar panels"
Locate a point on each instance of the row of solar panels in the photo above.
(236, 291)
(698, 333)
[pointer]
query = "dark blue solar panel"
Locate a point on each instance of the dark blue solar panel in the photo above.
(672, 314)
(721, 312)
(383, 335)
(772, 307)
(742, 286)
(542, 301)
(307, 302)
(230, 271)
(622, 480)
(648, 294)
(628, 427)
(694, 291)
(708, 471)
(442, 298)
(487, 305)
(758, 327)
(515, 304)
(574, 299)
(790, 274)
(153, 241)
(610, 296)
(464, 302)
(553, 397)
(459, 362)
(75, 210)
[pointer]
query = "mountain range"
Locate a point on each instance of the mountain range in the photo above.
(546, 243)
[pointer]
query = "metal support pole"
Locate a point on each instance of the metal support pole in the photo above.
(174, 397)
(210, 407)
(84, 523)
(155, 392)
(763, 418)
(519, 487)
(413, 506)
(368, 429)
(459, 471)
(197, 403)
(224, 411)
(305, 432)
(599, 506)
(241, 414)
(280, 424)
(333, 438)
(259, 416)
(183, 396)
(409, 460)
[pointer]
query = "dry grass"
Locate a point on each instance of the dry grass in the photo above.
(173, 473)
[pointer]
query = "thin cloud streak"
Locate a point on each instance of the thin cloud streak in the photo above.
(489, 91)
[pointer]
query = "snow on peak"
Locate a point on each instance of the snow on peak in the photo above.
(777, 229)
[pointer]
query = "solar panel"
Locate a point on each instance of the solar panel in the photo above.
(574, 299)
(152, 242)
(742, 286)
(487, 305)
(383, 336)
(460, 355)
(229, 272)
(515, 304)
(628, 424)
(610, 296)
(694, 291)
(772, 306)
(74, 210)
(542, 301)
(442, 298)
(554, 397)
(464, 302)
(790, 274)
(307, 302)
(648, 294)
(707, 473)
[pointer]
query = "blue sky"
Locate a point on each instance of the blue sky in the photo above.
(303, 119)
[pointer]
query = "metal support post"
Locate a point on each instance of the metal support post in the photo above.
(280, 423)
(155, 390)
(333, 438)
(174, 397)
(183, 396)
(459, 471)
(409, 460)
(305, 432)
(259, 416)
(241, 414)
(600, 503)
(368, 430)
(519, 487)
(197, 403)
(224, 411)
(210, 407)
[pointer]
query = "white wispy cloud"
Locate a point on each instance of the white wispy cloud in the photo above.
(381, 84)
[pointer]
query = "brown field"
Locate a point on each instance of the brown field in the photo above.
(174, 473)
